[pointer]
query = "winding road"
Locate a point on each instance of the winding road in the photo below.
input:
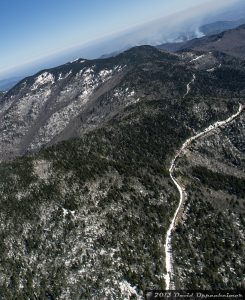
(169, 283)
(188, 87)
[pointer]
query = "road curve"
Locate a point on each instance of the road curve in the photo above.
(169, 283)
(188, 86)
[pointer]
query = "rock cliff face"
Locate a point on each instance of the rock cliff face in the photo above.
(85, 193)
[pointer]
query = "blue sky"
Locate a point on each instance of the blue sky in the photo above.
(33, 29)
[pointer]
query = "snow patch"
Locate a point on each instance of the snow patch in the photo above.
(42, 169)
(127, 290)
(197, 58)
(105, 73)
(60, 77)
(68, 74)
(42, 79)
(77, 59)
(188, 87)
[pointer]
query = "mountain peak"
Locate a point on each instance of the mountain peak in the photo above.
(146, 52)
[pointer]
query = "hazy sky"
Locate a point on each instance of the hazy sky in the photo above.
(32, 29)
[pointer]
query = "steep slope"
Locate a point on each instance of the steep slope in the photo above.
(1, 95)
(54, 103)
(231, 42)
(87, 217)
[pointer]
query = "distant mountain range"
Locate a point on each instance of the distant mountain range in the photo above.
(187, 40)
(231, 42)
(179, 27)
(220, 26)
(7, 84)
(214, 43)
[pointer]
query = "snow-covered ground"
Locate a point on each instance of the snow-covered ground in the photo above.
(168, 248)
(188, 86)
(197, 58)
(42, 79)
(214, 68)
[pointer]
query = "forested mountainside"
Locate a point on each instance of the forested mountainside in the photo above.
(63, 102)
(86, 196)
(209, 242)
(1, 95)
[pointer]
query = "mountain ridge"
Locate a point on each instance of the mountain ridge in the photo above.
(230, 42)
(54, 83)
